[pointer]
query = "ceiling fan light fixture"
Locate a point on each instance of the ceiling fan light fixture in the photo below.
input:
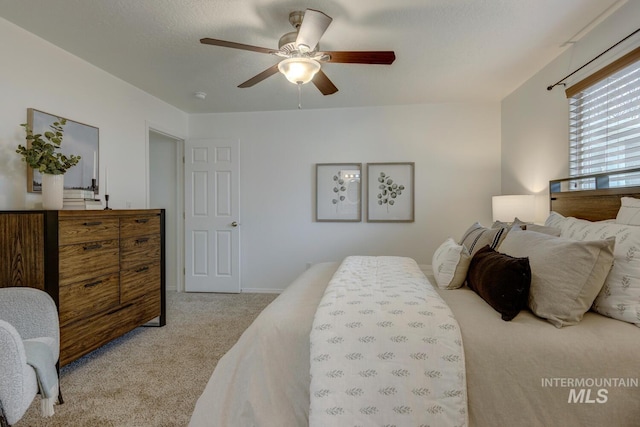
(299, 70)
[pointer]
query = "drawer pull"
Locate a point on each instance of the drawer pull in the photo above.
(141, 269)
(92, 284)
(143, 240)
(92, 247)
(92, 224)
(124, 307)
(142, 220)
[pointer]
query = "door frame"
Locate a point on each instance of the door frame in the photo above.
(179, 224)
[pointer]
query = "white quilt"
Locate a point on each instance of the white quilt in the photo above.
(385, 350)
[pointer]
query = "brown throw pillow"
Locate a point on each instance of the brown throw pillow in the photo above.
(501, 280)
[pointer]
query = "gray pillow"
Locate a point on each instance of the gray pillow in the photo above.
(528, 226)
(517, 222)
(552, 231)
(566, 275)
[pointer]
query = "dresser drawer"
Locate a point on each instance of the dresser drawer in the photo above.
(85, 298)
(139, 281)
(87, 229)
(85, 261)
(139, 226)
(22, 250)
(136, 251)
(81, 337)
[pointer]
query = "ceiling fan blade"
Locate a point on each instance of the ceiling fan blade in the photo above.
(313, 26)
(366, 57)
(234, 45)
(260, 77)
(323, 83)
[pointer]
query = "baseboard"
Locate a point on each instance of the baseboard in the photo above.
(261, 291)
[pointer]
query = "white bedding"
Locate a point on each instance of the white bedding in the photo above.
(264, 379)
(385, 349)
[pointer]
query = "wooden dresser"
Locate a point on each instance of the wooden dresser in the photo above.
(104, 269)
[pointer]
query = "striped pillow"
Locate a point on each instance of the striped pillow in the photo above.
(477, 237)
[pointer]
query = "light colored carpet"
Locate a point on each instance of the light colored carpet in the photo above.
(153, 376)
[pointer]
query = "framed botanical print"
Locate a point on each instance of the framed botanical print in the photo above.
(338, 192)
(390, 192)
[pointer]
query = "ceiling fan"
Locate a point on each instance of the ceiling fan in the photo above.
(302, 58)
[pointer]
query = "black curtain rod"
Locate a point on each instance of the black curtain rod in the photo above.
(569, 75)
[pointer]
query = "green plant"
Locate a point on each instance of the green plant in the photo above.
(41, 154)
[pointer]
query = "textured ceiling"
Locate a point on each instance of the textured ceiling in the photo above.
(446, 50)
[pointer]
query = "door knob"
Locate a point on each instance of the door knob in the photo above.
(234, 224)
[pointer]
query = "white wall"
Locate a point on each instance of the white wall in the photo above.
(34, 73)
(455, 147)
(535, 147)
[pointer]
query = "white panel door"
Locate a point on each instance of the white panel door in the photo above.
(212, 217)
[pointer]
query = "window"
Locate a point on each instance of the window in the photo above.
(604, 124)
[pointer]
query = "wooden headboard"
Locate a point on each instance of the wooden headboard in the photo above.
(593, 205)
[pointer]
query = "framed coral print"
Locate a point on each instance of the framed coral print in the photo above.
(338, 192)
(79, 139)
(390, 192)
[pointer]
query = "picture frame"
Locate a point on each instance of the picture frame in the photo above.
(79, 139)
(339, 192)
(390, 192)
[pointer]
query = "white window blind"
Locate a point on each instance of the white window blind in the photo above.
(604, 125)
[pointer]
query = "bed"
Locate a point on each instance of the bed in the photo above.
(522, 372)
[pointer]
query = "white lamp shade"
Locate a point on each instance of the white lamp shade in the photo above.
(299, 70)
(506, 208)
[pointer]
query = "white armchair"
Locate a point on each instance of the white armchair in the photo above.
(25, 314)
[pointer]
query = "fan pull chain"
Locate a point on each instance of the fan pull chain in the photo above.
(299, 96)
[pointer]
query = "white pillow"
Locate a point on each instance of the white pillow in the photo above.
(555, 220)
(620, 295)
(566, 274)
(629, 212)
(450, 264)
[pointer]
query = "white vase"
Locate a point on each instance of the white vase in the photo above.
(52, 190)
